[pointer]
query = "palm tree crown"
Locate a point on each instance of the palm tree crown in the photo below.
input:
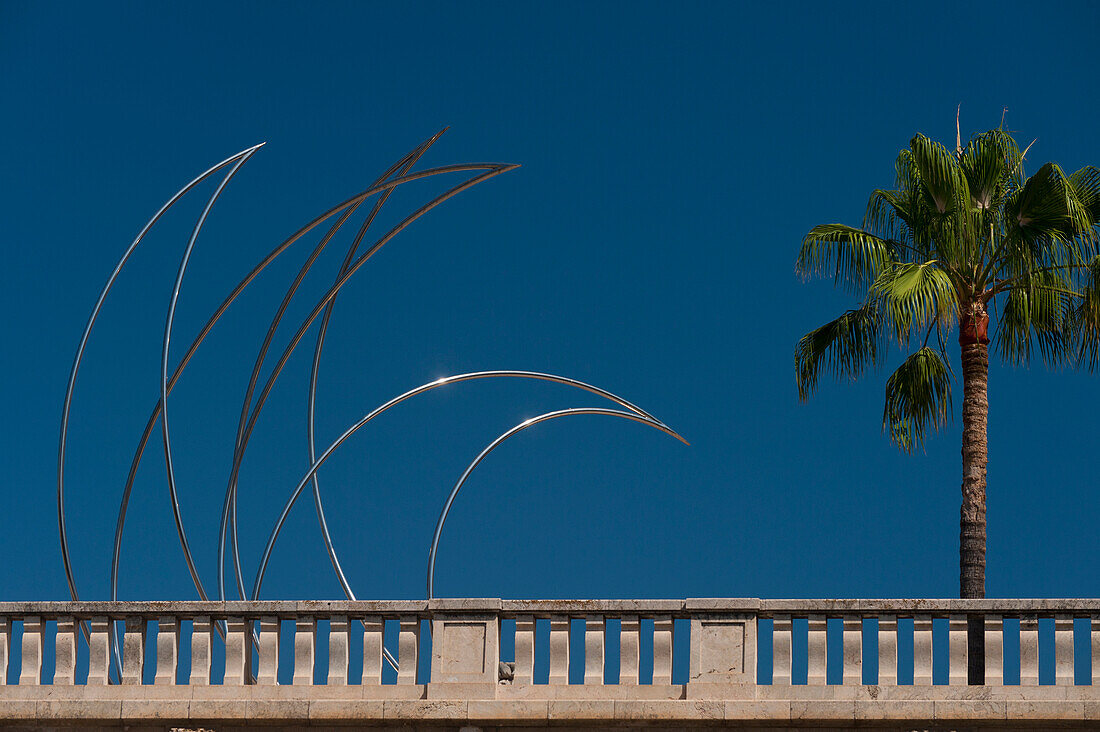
(963, 234)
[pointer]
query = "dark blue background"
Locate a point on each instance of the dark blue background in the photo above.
(672, 160)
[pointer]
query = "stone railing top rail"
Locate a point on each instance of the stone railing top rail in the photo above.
(689, 606)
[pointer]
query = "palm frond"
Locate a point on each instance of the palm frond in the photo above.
(852, 256)
(1084, 319)
(844, 347)
(913, 295)
(918, 397)
(1086, 185)
(943, 181)
(1037, 312)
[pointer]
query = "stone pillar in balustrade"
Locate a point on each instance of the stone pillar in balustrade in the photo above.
(338, 642)
(99, 653)
(663, 628)
(817, 650)
(525, 650)
(465, 644)
(237, 656)
(305, 638)
(5, 634)
(595, 632)
(852, 656)
(888, 650)
(1029, 650)
(629, 642)
(34, 631)
(267, 671)
(957, 650)
(559, 649)
(133, 650)
(723, 643)
(65, 652)
(1063, 650)
(168, 641)
(994, 650)
(922, 650)
(408, 646)
(202, 629)
(373, 630)
(781, 650)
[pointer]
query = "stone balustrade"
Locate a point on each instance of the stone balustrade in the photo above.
(757, 660)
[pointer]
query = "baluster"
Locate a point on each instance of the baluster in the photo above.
(338, 650)
(559, 649)
(65, 652)
(202, 628)
(957, 651)
(629, 640)
(236, 651)
(5, 634)
(781, 650)
(1094, 633)
(816, 649)
(407, 640)
(305, 638)
(852, 655)
(133, 650)
(888, 650)
(922, 650)
(34, 630)
(1063, 650)
(994, 650)
(662, 650)
(99, 641)
(1029, 650)
(595, 630)
(168, 641)
(525, 650)
(268, 651)
(373, 629)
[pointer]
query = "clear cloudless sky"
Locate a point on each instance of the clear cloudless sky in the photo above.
(673, 155)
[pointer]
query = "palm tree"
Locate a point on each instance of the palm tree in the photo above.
(964, 236)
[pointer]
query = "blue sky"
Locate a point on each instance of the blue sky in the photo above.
(672, 161)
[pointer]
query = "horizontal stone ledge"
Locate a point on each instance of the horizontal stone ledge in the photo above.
(1007, 607)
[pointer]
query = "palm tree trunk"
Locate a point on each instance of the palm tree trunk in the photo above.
(975, 456)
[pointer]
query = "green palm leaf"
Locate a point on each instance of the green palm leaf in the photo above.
(853, 256)
(912, 296)
(844, 347)
(918, 397)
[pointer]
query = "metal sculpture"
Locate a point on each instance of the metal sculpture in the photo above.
(398, 174)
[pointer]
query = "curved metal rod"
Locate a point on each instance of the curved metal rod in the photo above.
(519, 428)
(155, 415)
(420, 390)
(67, 404)
(169, 320)
(312, 398)
(491, 170)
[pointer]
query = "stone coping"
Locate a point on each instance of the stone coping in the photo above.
(1085, 607)
(920, 707)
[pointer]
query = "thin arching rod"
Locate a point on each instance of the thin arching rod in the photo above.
(312, 398)
(491, 170)
(155, 415)
(169, 321)
(403, 166)
(515, 430)
(408, 395)
(67, 404)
